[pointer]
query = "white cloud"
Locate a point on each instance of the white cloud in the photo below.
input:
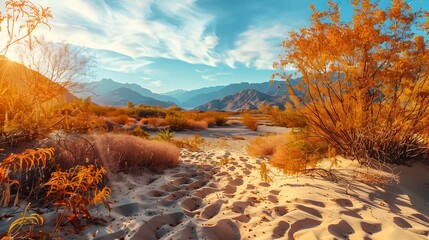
(257, 47)
(155, 83)
(132, 29)
(215, 76)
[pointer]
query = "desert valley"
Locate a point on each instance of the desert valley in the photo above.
(332, 143)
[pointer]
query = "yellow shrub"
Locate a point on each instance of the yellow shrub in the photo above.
(249, 121)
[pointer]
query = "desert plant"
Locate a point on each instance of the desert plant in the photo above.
(364, 86)
(165, 135)
(177, 121)
(121, 119)
(138, 132)
(211, 121)
(17, 225)
(249, 121)
(75, 190)
(192, 145)
(157, 122)
(197, 125)
(267, 145)
(130, 154)
(20, 163)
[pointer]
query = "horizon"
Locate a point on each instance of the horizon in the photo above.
(169, 45)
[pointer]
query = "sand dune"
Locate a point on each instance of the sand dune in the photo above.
(203, 199)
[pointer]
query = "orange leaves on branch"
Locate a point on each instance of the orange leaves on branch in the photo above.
(77, 189)
(19, 163)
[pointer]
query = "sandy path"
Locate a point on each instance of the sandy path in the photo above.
(204, 199)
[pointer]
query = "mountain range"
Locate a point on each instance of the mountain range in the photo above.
(248, 99)
(109, 92)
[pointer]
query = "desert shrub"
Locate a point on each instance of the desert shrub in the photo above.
(301, 152)
(13, 166)
(83, 123)
(143, 121)
(249, 121)
(121, 119)
(149, 112)
(284, 118)
(75, 190)
(192, 145)
(197, 125)
(221, 118)
(132, 154)
(211, 121)
(131, 121)
(138, 132)
(177, 122)
(157, 122)
(164, 135)
(267, 145)
(365, 94)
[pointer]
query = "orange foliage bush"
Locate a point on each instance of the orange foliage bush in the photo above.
(249, 121)
(197, 125)
(20, 163)
(77, 189)
(157, 122)
(177, 122)
(267, 145)
(121, 119)
(364, 85)
(211, 121)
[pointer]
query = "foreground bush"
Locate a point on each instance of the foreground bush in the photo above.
(130, 154)
(365, 90)
(116, 152)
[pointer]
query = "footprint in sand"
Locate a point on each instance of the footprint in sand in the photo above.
(309, 210)
(342, 202)
(280, 210)
(158, 226)
(280, 230)
(173, 197)
(224, 229)
(168, 188)
(370, 228)
(230, 189)
(212, 210)
(203, 192)
(155, 194)
(306, 223)
(180, 181)
(243, 218)
(237, 182)
(402, 223)
(191, 204)
(197, 184)
(239, 206)
(126, 209)
(273, 199)
(341, 229)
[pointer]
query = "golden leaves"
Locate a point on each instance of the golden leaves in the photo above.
(76, 189)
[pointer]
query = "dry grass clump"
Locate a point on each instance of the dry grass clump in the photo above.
(157, 122)
(121, 119)
(197, 125)
(284, 118)
(249, 121)
(116, 152)
(211, 121)
(267, 145)
(177, 122)
(132, 154)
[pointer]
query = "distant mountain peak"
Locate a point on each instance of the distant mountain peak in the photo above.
(247, 99)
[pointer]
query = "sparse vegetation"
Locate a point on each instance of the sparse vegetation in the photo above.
(249, 121)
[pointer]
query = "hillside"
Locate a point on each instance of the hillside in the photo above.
(209, 94)
(120, 97)
(101, 89)
(248, 99)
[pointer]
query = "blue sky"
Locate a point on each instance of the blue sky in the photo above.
(165, 45)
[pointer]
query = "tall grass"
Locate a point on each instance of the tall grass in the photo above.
(249, 121)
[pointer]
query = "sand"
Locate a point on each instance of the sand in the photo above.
(218, 193)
